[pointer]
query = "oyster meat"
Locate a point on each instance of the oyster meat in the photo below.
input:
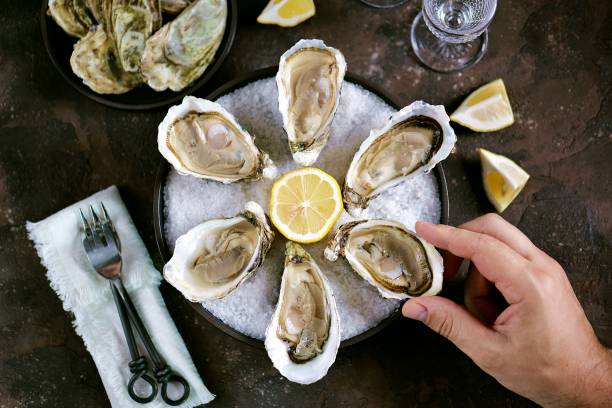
(309, 79)
(182, 49)
(95, 61)
(200, 138)
(413, 141)
(216, 256)
(303, 336)
(390, 257)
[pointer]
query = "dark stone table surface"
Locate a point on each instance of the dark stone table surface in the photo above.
(57, 147)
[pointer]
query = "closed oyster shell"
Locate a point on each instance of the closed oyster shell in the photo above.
(98, 9)
(71, 15)
(303, 337)
(309, 79)
(213, 258)
(412, 142)
(182, 49)
(174, 6)
(95, 61)
(132, 24)
(390, 257)
(202, 139)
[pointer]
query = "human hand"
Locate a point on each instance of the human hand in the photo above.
(541, 344)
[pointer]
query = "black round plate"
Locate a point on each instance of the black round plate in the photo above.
(164, 168)
(59, 46)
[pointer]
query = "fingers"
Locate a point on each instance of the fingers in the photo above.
(496, 261)
(481, 298)
(495, 226)
(452, 263)
(455, 323)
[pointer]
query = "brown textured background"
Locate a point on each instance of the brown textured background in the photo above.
(57, 147)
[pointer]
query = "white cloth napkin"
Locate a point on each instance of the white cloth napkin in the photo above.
(87, 295)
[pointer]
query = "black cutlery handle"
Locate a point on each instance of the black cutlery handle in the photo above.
(165, 376)
(139, 368)
(138, 365)
(163, 373)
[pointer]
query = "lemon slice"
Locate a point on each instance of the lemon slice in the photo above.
(287, 13)
(487, 109)
(503, 179)
(305, 204)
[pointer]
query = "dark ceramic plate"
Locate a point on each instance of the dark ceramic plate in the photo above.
(59, 46)
(164, 168)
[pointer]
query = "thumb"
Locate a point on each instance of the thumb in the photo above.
(455, 323)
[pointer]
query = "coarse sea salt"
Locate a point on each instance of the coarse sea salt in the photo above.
(190, 201)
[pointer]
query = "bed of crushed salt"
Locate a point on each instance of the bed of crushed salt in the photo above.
(189, 201)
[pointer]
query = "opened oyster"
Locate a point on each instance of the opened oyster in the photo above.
(94, 61)
(215, 257)
(412, 142)
(181, 50)
(391, 258)
(303, 337)
(309, 79)
(200, 138)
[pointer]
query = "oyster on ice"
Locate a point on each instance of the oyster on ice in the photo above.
(95, 61)
(202, 139)
(390, 257)
(412, 142)
(303, 336)
(182, 49)
(309, 79)
(215, 257)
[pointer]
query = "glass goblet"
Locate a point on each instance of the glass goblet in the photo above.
(383, 3)
(449, 35)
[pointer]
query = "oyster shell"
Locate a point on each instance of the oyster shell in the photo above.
(132, 23)
(99, 10)
(390, 257)
(174, 6)
(72, 16)
(412, 142)
(303, 336)
(309, 79)
(181, 50)
(95, 61)
(215, 257)
(200, 138)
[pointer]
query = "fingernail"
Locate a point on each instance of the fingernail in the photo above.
(415, 311)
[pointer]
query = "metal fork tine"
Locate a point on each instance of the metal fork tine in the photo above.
(86, 226)
(97, 225)
(111, 225)
(96, 219)
(104, 216)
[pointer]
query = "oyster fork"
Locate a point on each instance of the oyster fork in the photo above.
(103, 248)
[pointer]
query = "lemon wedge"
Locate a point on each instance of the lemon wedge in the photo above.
(305, 204)
(287, 13)
(487, 109)
(503, 179)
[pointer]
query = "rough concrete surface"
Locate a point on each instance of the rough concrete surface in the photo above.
(57, 146)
